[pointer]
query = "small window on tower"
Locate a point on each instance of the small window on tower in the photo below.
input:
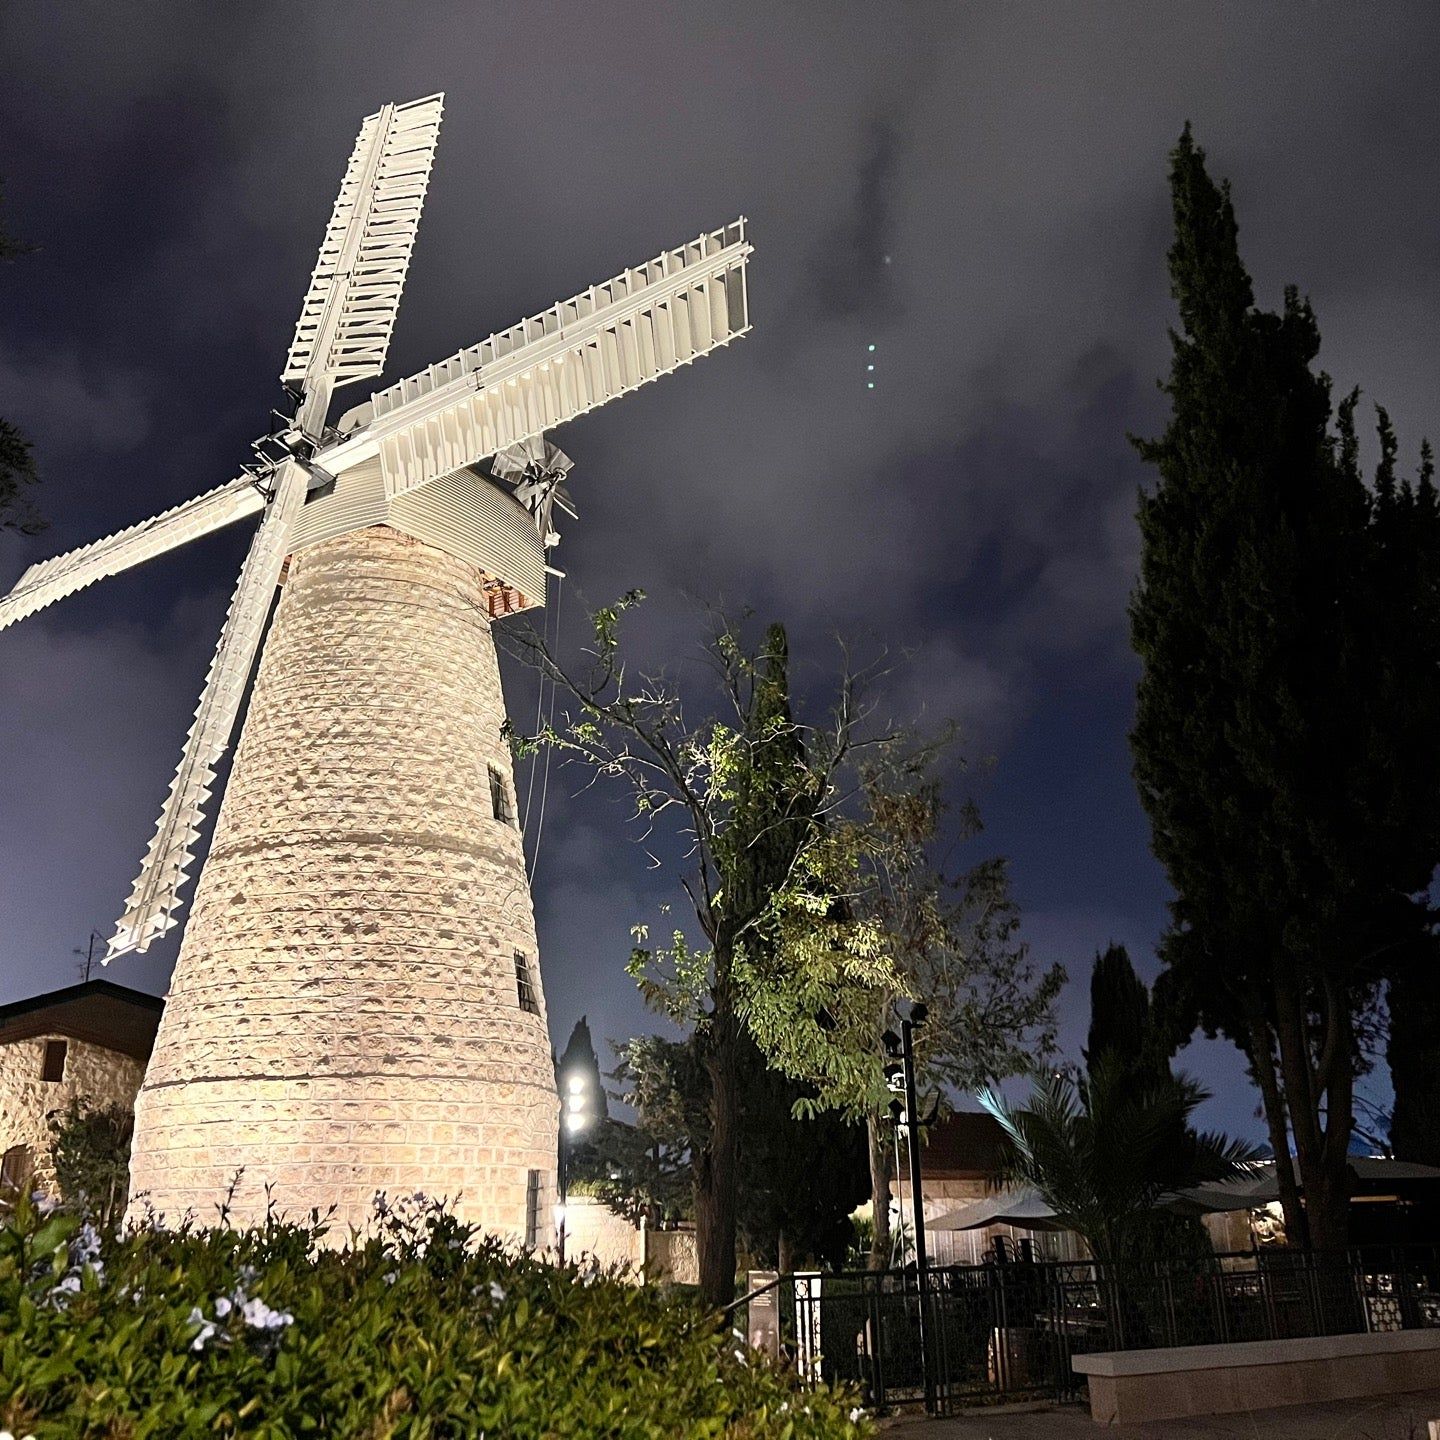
(500, 797)
(532, 1207)
(53, 1066)
(525, 984)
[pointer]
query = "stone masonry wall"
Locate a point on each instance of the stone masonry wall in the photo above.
(343, 1017)
(102, 1077)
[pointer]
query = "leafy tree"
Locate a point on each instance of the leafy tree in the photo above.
(1102, 1149)
(951, 934)
(803, 1172)
(643, 1170)
(751, 790)
(17, 459)
(800, 1176)
(1274, 781)
(90, 1149)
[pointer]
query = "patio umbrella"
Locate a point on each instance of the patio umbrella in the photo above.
(1024, 1209)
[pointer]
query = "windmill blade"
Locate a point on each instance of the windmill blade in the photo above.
(150, 911)
(350, 308)
(598, 345)
(50, 580)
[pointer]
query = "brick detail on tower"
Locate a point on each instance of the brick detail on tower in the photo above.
(343, 1017)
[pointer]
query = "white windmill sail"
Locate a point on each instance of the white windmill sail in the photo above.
(413, 443)
(150, 911)
(579, 354)
(350, 308)
(50, 580)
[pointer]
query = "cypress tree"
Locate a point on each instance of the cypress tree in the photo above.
(1120, 1022)
(1403, 774)
(579, 1058)
(1258, 750)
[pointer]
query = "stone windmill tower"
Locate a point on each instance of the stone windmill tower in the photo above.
(357, 1003)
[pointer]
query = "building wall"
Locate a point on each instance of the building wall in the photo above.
(943, 1194)
(592, 1228)
(343, 1016)
(93, 1073)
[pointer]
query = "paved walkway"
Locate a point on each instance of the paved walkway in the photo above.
(1397, 1417)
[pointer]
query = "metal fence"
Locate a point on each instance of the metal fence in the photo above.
(1011, 1328)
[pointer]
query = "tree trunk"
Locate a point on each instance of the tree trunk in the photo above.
(715, 1173)
(1414, 1056)
(1262, 1066)
(1320, 1149)
(784, 1253)
(1327, 1205)
(880, 1171)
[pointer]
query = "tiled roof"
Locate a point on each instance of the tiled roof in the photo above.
(96, 1011)
(965, 1144)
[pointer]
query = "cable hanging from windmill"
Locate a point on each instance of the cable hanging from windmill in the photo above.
(549, 722)
(539, 712)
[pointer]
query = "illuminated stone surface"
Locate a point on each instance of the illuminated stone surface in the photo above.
(93, 1073)
(343, 1017)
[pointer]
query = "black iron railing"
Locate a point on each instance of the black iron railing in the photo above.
(1011, 1329)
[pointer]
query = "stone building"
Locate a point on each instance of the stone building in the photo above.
(86, 1042)
(960, 1164)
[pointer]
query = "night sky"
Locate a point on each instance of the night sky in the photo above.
(978, 190)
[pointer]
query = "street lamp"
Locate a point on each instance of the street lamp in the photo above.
(577, 1111)
(900, 1077)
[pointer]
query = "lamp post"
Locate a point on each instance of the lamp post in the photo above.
(577, 1110)
(900, 1076)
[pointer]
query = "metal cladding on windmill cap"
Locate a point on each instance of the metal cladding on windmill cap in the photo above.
(414, 456)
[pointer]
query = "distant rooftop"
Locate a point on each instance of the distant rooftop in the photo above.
(966, 1144)
(96, 1011)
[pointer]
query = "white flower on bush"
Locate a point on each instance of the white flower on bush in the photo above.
(497, 1292)
(205, 1328)
(83, 1254)
(6, 1435)
(259, 1316)
(856, 1414)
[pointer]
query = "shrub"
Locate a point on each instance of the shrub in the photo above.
(427, 1329)
(91, 1150)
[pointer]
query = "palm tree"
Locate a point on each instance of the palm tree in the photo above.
(1102, 1148)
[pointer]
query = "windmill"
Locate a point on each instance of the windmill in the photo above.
(357, 1002)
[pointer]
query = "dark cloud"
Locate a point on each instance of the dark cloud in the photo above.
(976, 190)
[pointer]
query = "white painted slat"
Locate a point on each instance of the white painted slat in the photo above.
(50, 580)
(150, 910)
(638, 291)
(349, 311)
